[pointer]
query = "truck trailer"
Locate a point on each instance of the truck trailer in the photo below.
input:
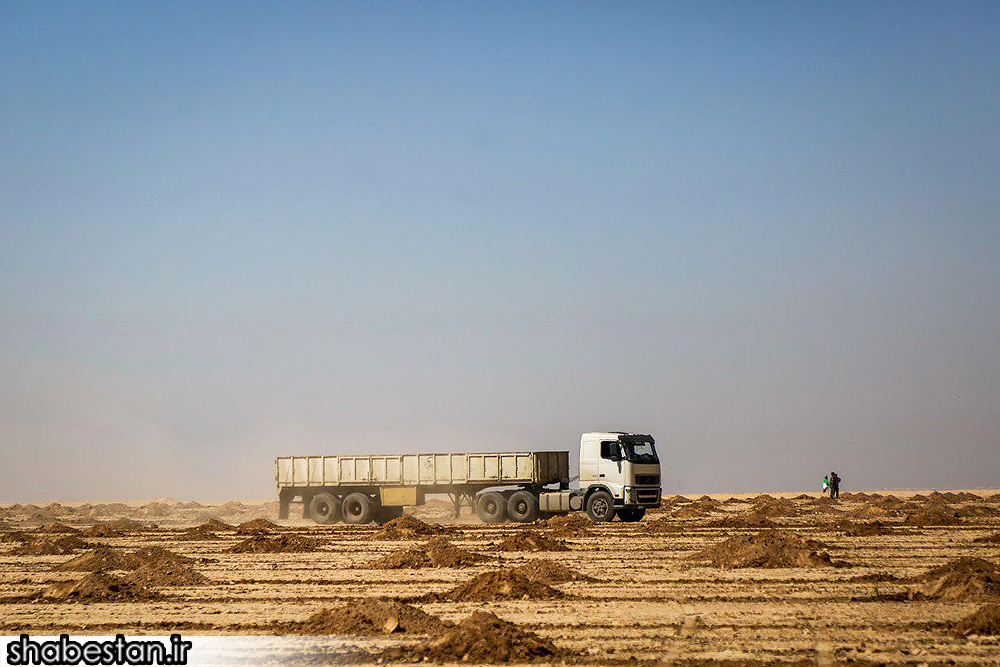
(619, 476)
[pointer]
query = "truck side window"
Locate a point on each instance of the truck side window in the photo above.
(609, 448)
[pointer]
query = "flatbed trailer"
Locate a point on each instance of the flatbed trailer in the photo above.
(401, 480)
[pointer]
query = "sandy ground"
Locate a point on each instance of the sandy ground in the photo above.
(650, 604)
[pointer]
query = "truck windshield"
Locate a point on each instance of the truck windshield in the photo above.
(642, 452)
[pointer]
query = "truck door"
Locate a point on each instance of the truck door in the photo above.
(590, 461)
(611, 468)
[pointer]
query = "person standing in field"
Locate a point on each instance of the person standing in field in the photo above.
(826, 483)
(834, 485)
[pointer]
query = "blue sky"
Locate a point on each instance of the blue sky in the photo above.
(767, 233)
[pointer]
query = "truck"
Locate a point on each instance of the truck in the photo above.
(619, 476)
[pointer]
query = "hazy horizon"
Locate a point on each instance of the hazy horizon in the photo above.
(768, 234)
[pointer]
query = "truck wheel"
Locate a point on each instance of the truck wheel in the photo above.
(601, 506)
(491, 507)
(358, 509)
(387, 514)
(325, 508)
(631, 513)
(522, 507)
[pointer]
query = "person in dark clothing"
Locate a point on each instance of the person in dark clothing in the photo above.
(834, 485)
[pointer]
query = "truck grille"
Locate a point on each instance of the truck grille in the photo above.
(648, 496)
(647, 480)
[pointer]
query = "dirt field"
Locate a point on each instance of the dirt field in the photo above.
(801, 581)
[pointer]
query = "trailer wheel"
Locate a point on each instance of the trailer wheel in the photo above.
(491, 507)
(358, 508)
(631, 513)
(522, 507)
(601, 506)
(325, 508)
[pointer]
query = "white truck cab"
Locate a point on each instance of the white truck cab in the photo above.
(626, 466)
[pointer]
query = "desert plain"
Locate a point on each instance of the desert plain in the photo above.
(887, 578)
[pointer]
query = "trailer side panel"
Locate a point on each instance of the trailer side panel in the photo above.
(530, 468)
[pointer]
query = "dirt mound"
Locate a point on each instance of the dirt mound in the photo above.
(368, 617)
(933, 516)
(45, 547)
(99, 587)
(72, 542)
(988, 539)
(776, 507)
(977, 512)
(751, 520)
(230, 508)
(445, 554)
(952, 497)
(109, 509)
(984, 621)
(872, 512)
(404, 559)
(438, 552)
(706, 504)
(57, 528)
(206, 531)
(529, 540)
(964, 579)
(18, 536)
(770, 549)
(888, 505)
(499, 585)
(125, 524)
(262, 544)
(167, 574)
(823, 505)
(256, 526)
(101, 530)
(214, 524)
(691, 511)
(570, 532)
(574, 519)
(157, 556)
(550, 572)
(407, 528)
(105, 558)
(569, 525)
(98, 560)
(482, 638)
(198, 533)
(155, 509)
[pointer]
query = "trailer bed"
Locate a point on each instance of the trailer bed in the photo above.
(430, 470)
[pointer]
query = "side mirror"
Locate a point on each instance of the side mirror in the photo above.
(616, 457)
